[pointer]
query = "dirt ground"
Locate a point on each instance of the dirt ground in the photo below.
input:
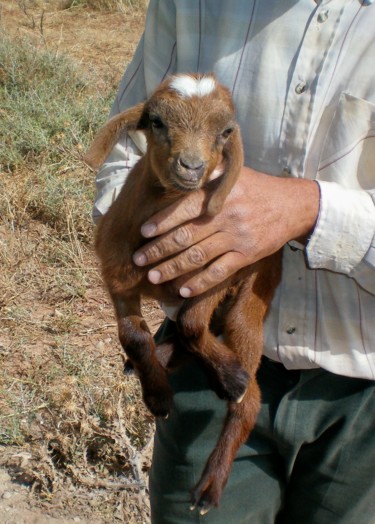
(16, 507)
(104, 42)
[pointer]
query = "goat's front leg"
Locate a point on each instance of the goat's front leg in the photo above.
(139, 345)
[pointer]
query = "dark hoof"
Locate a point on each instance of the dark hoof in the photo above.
(203, 508)
(129, 368)
(160, 402)
(206, 495)
(233, 384)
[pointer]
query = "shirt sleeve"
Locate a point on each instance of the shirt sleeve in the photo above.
(113, 173)
(344, 236)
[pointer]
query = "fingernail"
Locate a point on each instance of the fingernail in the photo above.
(139, 259)
(148, 230)
(154, 276)
(185, 292)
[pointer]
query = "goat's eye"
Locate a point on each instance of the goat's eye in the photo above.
(156, 123)
(227, 132)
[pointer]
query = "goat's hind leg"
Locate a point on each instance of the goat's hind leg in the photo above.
(244, 333)
(239, 422)
(139, 345)
(193, 321)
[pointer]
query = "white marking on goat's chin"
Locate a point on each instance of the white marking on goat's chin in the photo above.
(188, 86)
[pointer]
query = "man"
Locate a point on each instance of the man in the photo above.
(302, 77)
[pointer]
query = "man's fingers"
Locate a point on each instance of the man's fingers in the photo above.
(184, 210)
(195, 257)
(172, 242)
(218, 271)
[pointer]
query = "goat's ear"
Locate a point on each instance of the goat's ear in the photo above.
(109, 134)
(234, 160)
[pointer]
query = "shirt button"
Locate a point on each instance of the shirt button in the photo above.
(290, 330)
(286, 171)
(323, 16)
(300, 88)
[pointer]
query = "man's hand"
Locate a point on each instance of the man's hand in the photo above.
(259, 216)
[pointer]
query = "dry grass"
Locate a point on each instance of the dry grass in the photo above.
(109, 5)
(72, 425)
(102, 5)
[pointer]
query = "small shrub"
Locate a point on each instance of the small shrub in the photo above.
(49, 113)
(48, 109)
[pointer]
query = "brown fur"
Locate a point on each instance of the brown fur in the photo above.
(185, 144)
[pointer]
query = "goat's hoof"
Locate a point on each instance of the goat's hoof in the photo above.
(233, 385)
(160, 403)
(202, 509)
(203, 503)
(206, 494)
(129, 368)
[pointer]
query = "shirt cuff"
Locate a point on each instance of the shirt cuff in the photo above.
(344, 231)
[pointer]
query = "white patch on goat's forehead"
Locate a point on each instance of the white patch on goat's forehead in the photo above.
(188, 86)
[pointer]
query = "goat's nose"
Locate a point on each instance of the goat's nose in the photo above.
(191, 163)
(188, 171)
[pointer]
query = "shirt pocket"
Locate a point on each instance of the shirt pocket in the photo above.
(348, 154)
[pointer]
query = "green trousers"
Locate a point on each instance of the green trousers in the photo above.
(310, 459)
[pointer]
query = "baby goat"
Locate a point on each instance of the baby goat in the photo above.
(190, 127)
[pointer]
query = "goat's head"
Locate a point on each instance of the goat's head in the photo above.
(190, 127)
(187, 121)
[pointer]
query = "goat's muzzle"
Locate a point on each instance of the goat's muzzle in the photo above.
(187, 172)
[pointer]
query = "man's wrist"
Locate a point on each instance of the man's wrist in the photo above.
(307, 200)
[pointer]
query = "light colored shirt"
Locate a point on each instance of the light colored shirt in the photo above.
(302, 75)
